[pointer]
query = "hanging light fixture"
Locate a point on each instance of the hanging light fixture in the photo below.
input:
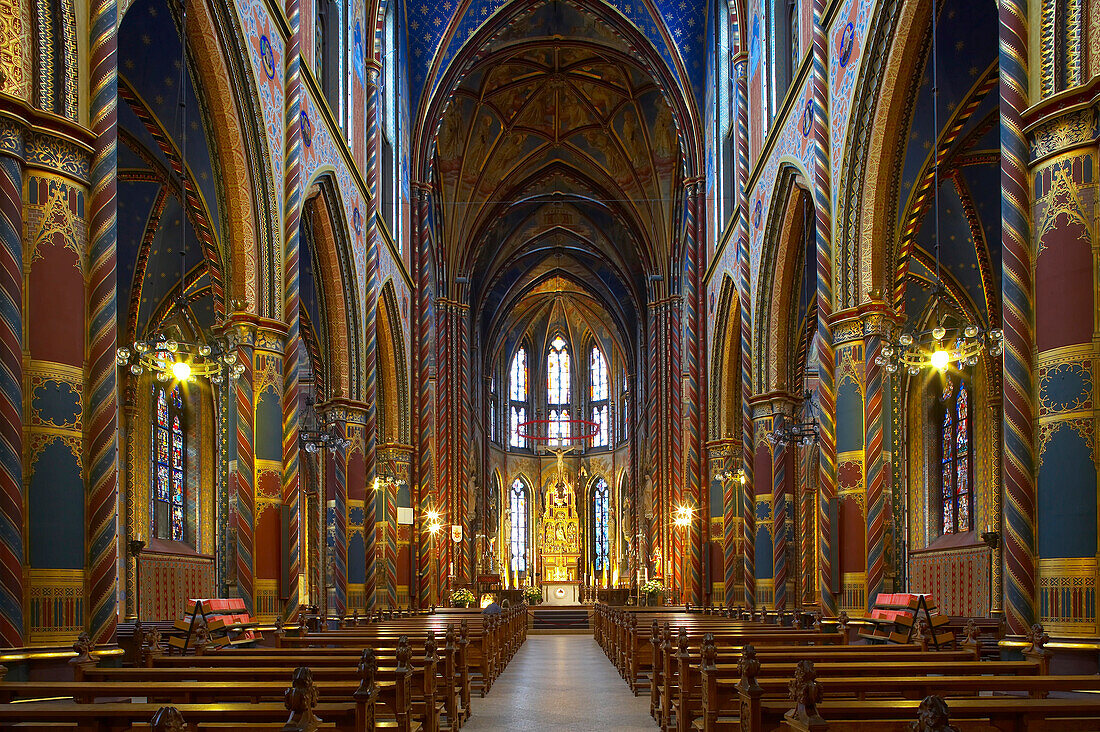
(953, 341)
(168, 358)
(316, 435)
(786, 430)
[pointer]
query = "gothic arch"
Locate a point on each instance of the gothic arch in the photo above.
(775, 327)
(725, 383)
(392, 371)
(336, 288)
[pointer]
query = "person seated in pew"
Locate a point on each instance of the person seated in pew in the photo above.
(492, 608)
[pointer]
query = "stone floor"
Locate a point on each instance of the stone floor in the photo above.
(560, 682)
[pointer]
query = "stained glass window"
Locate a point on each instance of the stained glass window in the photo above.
(600, 500)
(599, 391)
(557, 372)
(169, 491)
(559, 432)
(517, 395)
(955, 458)
(517, 502)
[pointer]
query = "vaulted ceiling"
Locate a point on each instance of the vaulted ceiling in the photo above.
(558, 155)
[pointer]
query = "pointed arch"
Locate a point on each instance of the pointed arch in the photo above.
(392, 371)
(775, 326)
(725, 382)
(329, 248)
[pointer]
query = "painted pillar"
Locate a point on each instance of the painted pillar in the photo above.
(370, 336)
(291, 303)
(761, 505)
(337, 491)
(1066, 246)
(12, 522)
(850, 530)
(424, 432)
(58, 425)
(782, 495)
(357, 490)
(101, 459)
(826, 392)
(652, 465)
(876, 423)
(748, 443)
(1018, 292)
(694, 426)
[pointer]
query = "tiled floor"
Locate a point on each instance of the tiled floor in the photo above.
(560, 682)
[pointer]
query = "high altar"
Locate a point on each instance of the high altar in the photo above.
(559, 532)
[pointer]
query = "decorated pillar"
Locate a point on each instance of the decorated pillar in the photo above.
(1065, 240)
(759, 528)
(424, 402)
(826, 391)
(370, 336)
(1018, 292)
(748, 443)
(67, 483)
(349, 414)
(849, 531)
(12, 522)
(694, 394)
(725, 458)
(101, 458)
(357, 493)
(782, 495)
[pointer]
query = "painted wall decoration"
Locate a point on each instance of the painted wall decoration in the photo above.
(169, 581)
(846, 41)
(268, 60)
(957, 579)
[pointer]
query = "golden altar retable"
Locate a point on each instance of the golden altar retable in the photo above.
(559, 532)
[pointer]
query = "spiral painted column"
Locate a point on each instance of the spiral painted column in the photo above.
(339, 521)
(245, 476)
(782, 480)
(101, 447)
(291, 301)
(877, 477)
(11, 402)
(370, 335)
(748, 444)
(693, 425)
(826, 389)
(426, 393)
(761, 506)
(1019, 325)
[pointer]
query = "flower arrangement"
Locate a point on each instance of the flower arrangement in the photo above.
(533, 595)
(462, 597)
(652, 587)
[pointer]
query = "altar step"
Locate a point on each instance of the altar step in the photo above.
(557, 618)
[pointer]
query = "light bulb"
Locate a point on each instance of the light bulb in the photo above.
(940, 359)
(971, 331)
(141, 347)
(906, 339)
(204, 350)
(162, 376)
(913, 370)
(123, 353)
(171, 346)
(181, 370)
(939, 332)
(229, 358)
(136, 369)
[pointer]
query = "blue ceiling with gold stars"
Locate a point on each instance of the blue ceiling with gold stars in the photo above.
(676, 28)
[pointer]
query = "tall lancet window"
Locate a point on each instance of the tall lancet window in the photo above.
(517, 504)
(956, 458)
(601, 498)
(598, 394)
(517, 398)
(557, 390)
(168, 452)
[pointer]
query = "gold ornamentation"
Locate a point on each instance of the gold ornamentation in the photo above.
(53, 216)
(1065, 132)
(16, 49)
(1085, 427)
(1064, 199)
(62, 156)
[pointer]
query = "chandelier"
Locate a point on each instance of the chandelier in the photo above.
(953, 341)
(786, 430)
(166, 357)
(316, 436)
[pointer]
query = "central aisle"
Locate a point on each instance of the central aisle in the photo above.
(560, 682)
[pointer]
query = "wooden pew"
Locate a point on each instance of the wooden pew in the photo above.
(300, 699)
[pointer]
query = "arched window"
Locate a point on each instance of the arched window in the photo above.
(517, 398)
(557, 390)
(598, 395)
(601, 498)
(168, 474)
(957, 495)
(493, 409)
(391, 150)
(517, 502)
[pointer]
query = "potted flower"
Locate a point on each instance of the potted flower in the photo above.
(462, 598)
(533, 595)
(650, 591)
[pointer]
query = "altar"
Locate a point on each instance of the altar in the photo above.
(561, 593)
